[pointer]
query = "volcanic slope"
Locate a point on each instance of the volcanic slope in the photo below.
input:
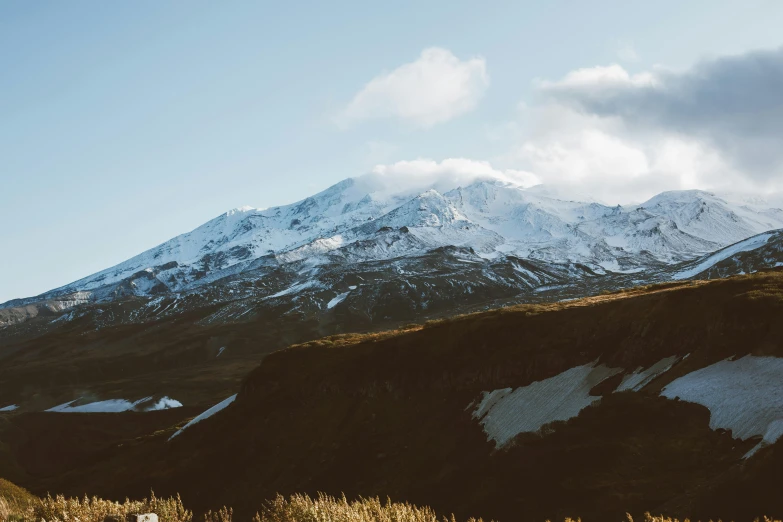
(590, 407)
(362, 220)
(187, 319)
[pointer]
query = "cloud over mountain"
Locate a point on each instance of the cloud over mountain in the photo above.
(421, 174)
(733, 104)
(625, 136)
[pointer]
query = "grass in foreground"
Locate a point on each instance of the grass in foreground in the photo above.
(17, 505)
(61, 509)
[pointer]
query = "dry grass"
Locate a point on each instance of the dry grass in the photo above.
(16, 505)
(61, 509)
(13, 500)
(347, 339)
(649, 518)
(302, 508)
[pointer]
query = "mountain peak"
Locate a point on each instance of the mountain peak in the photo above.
(679, 197)
(491, 215)
(241, 210)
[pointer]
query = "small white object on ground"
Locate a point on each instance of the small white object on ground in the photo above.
(142, 517)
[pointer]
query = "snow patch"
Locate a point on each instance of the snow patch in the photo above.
(295, 289)
(220, 351)
(773, 433)
(337, 300)
(640, 378)
(210, 412)
(744, 396)
(743, 246)
(505, 413)
(111, 405)
(164, 403)
(12, 407)
(117, 406)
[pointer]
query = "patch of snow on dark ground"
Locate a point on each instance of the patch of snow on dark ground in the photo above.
(746, 245)
(164, 403)
(743, 395)
(640, 378)
(210, 412)
(505, 413)
(117, 406)
(337, 300)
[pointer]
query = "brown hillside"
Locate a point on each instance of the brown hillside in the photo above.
(389, 414)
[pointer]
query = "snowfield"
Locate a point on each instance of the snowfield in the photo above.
(505, 413)
(337, 300)
(210, 412)
(295, 289)
(164, 403)
(641, 377)
(117, 406)
(712, 260)
(743, 395)
(771, 436)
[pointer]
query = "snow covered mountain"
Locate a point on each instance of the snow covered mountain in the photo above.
(750, 255)
(360, 221)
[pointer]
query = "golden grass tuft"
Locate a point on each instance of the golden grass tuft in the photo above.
(13, 500)
(17, 505)
(649, 518)
(61, 509)
(324, 508)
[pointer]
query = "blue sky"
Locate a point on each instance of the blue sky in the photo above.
(125, 124)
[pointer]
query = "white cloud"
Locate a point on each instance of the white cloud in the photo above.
(423, 174)
(618, 137)
(591, 80)
(622, 137)
(732, 104)
(435, 88)
(583, 155)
